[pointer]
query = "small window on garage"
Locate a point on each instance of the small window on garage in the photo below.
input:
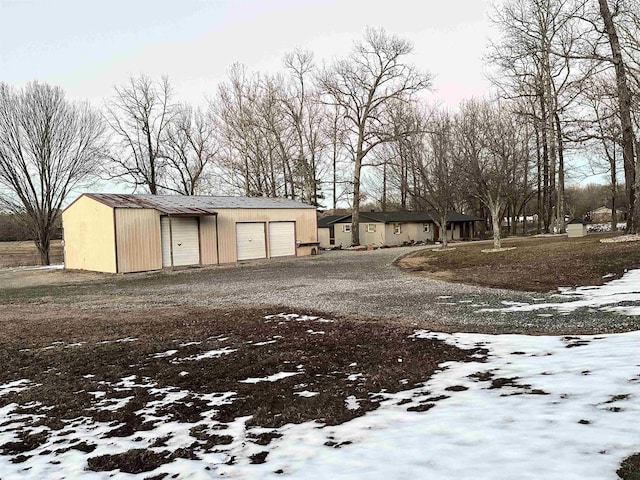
(397, 228)
(371, 227)
(427, 228)
(346, 228)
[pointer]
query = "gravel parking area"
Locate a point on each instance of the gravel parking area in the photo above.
(345, 283)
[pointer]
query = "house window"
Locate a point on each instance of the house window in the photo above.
(346, 228)
(397, 228)
(371, 227)
(427, 227)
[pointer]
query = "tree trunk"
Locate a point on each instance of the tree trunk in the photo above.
(560, 201)
(44, 247)
(494, 209)
(355, 216)
(384, 187)
(443, 231)
(624, 105)
(495, 221)
(546, 204)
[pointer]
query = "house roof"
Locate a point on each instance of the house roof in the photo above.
(394, 217)
(191, 205)
(329, 220)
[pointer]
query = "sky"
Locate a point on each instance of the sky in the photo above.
(88, 47)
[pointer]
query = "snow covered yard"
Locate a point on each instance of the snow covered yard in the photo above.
(527, 407)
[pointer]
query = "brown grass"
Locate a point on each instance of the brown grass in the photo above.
(19, 254)
(37, 346)
(536, 264)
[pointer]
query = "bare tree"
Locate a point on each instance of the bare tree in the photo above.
(439, 172)
(624, 105)
(48, 145)
(492, 153)
(190, 150)
(534, 56)
(363, 85)
(301, 103)
(139, 115)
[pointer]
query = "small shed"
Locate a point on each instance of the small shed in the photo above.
(576, 228)
(131, 233)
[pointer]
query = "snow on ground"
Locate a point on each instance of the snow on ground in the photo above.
(620, 296)
(271, 378)
(538, 407)
(58, 266)
(567, 409)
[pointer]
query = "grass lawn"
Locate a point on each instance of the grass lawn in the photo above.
(538, 264)
(19, 254)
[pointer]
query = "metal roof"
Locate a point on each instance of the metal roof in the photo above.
(191, 205)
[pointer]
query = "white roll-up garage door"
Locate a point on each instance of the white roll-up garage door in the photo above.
(250, 241)
(183, 238)
(282, 239)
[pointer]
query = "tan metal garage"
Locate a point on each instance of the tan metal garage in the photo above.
(132, 233)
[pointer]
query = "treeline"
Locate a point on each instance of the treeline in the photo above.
(358, 129)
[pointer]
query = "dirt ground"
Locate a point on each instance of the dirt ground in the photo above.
(535, 264)
(82, 364)
(18, 254)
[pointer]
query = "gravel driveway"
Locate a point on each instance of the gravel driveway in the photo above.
(366, 284)
(347, 283)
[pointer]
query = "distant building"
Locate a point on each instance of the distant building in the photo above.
(603, 215)
(392, 228)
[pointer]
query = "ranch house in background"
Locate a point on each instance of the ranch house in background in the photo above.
(392, 228)
(603, 215)
(133, 233)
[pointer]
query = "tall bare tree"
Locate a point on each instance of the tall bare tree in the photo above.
(618, 60)
(363, 85)
(440, 172)
(48, 145)
(139, 115)
(492, 154)
(190, 151)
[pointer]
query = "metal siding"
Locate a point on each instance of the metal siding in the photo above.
(305, 220)
(185, 241)
(89, 236)
(208, 247)
(250, 241)
(165, 240)
(138, 240)
(282, 239)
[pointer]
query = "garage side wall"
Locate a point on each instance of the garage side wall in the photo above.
(138, 240)
(208, 248)
(305, 219)
(89, 237)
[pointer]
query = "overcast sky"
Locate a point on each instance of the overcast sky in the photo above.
(88, 46)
